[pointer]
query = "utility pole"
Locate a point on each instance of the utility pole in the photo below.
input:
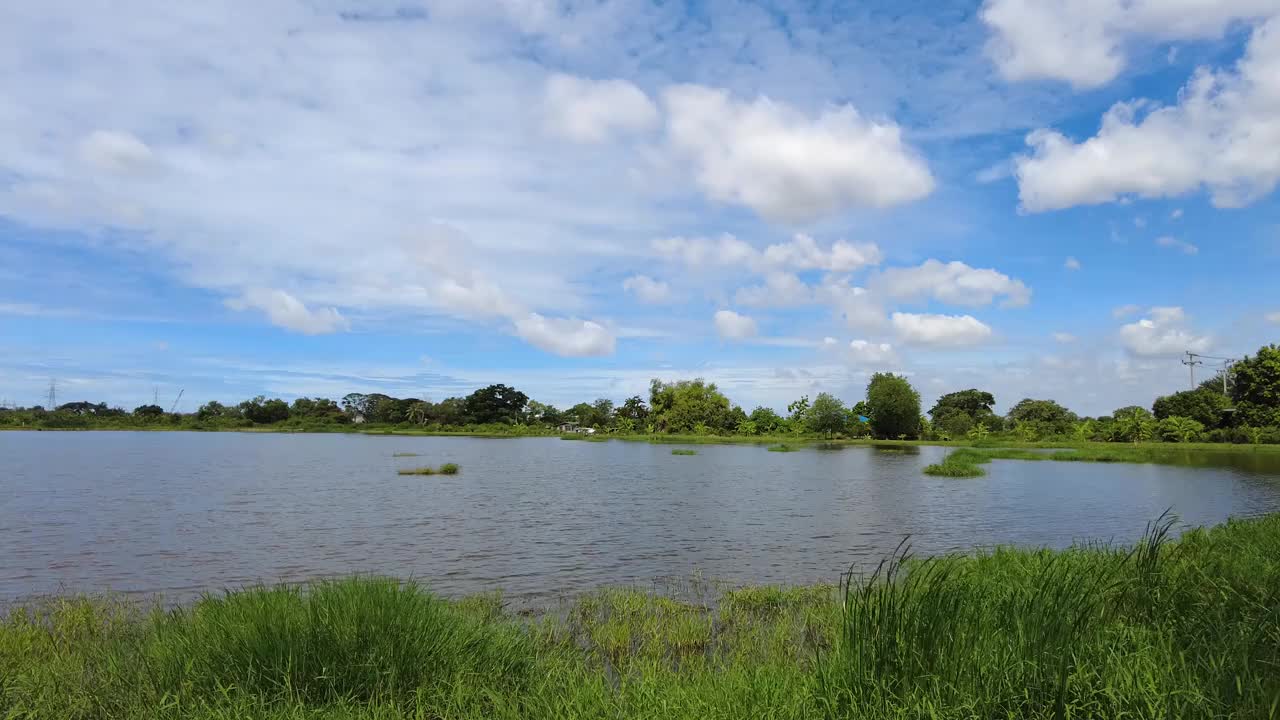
(1191, 362)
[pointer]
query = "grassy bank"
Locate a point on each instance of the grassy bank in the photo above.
(1179, 630)
(966, 462)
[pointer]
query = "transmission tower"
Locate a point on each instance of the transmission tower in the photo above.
(53, 394)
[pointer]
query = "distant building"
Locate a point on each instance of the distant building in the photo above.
(573, 427)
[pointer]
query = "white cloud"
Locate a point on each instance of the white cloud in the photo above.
(1162, 333)
(1176, 214)
(863, 352)
(941, 330)
(591, 111)
(1185, 247)
(116, 152)
(994, 173)
(1220, 135)
(856, 306)
(954, 283)
(1082, 41)
(288, 312)
(1274, 317)
(1071, 264)
(772, 158)
(802, 252)
(568, 337)
(1122, 311)
(733, 326)
(1064, 338)
(780, 289)
(647, 289)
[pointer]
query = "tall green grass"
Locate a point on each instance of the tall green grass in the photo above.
(1185, 629)
(679, 451)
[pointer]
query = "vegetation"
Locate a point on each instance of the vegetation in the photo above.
(953, 468)
(1176, 629)
(404, 454)
(895, 406)
(1247, 412)
(783, 447)
(445, 469)
(679, 451)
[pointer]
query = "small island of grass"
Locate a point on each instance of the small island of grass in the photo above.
(681, 451)
(445, 469)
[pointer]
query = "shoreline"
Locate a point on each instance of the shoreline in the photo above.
(1095, 631)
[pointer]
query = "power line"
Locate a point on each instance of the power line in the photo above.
(1191, 362)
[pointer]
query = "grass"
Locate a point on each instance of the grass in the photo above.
(1185, 629)
(957, 469)
(445, 469)
(965, 462)
(404, 454)
(680, 451)
(783, 447)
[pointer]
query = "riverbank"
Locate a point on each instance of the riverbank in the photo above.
(1170, 629)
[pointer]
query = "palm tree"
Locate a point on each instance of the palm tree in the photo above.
(1084, 431)
(979, 432)
(418, 413)
(1137, 426)
(1180, 429)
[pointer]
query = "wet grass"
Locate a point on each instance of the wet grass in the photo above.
(445, 469)
(1186, 629)
(955, 469)
(679, 451)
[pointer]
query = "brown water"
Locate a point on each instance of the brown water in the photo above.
(182, 513)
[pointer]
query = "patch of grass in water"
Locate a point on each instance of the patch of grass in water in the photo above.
(404, 454)
(783, 447)
(947, 468)
(445, 469)
(679, 451)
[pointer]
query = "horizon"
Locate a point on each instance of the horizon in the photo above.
(425, 197)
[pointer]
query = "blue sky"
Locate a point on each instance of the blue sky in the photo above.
(1046, 199)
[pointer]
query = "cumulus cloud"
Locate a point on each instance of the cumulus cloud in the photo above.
(1071, 264)
(863, 352)
(733, 326)
(1064, 338)
(1082, 41)
(1167, 241)
(954, 283)
(1221, 135)
(802, 252)
(1163, 332)
(288, 312)
(780, 289)
(1274, 317)
(786, 165)
(1122, 311)
(940, 330)
(568, 337)
(116, 152)
(647, 289)
(854, 305)
(592, 111)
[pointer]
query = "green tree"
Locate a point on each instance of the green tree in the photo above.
(1179, 429)
(602, 413)
(798, 414)
(1202, 405)
(634, 409)
(495, 404)
(1256, 388)
(1049, 417)
(766, 421)
(149, 412)
(976, 404)
(827, 415)
(895, 406)
(955, 423)
(1084, 431)
(214, 410)
(979, 433)
(1134, 424)
(684, 405)
(262, 411)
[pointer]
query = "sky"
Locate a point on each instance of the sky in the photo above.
(1040, 198)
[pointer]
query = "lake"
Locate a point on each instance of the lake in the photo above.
(177, 514)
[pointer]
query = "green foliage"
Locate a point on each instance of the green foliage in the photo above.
(445, 469)
(148, 412)
(827, 415)
(1179, 429)
(946, 468)
(1256, 388)
(1134, 424)
(1048, 417)
(1201, 405)
(765, 421)
(979, 433)
(681, 406)
(895, 406)
(261, 411)
(679, 451)
(495, 404)
(783, 447)
(1184, 629)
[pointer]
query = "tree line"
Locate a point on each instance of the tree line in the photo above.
(1247, 411)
